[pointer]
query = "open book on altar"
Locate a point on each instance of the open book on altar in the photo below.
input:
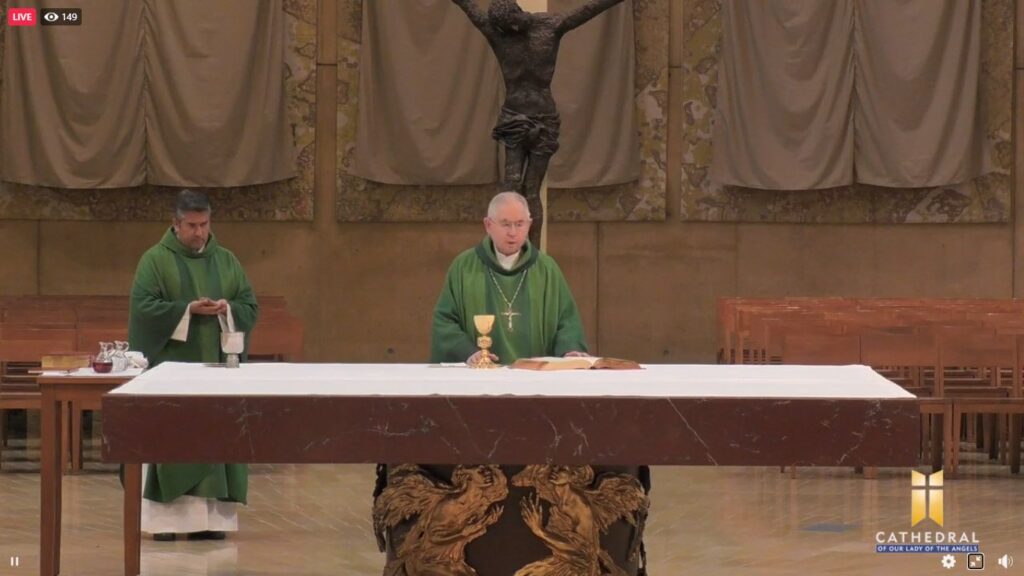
(575, 363)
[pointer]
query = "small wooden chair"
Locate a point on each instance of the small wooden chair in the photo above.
(821, 349)
(281, 341)
(18, 389)
(991, 353)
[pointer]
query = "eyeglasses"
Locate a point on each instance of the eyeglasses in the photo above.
(518, 224)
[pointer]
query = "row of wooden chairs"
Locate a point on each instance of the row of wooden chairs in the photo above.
(744, 324)
(973, 372)
(961, 356)
(33, 326)
(89, 309)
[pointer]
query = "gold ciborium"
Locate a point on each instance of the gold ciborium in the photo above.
(484, 323)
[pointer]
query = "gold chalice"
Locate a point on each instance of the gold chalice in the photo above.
(484, 324)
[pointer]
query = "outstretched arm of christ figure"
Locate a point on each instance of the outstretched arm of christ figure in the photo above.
(476, 15)
(584, 14)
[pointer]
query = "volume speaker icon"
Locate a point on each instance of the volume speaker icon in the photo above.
(1005, 561)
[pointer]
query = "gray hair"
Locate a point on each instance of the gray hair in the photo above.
(501, 198)
(191, 201)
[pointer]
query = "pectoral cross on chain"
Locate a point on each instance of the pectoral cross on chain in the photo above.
(509, 314)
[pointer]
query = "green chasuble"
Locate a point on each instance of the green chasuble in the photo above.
(544, 319)
(168, 278)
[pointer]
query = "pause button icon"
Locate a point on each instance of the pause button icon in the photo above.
(15, 561)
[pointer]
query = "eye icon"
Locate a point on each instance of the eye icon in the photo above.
(51, 16)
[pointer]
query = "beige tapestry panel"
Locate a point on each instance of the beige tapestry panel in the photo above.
(287, 200)
(643, 200)
(985, 199)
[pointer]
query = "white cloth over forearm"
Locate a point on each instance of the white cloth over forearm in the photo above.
(181, 332)
(227, 320)
(227, 324)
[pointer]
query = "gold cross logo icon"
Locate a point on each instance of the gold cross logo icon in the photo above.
(926, 497)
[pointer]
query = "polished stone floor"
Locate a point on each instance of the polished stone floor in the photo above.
(709, 521)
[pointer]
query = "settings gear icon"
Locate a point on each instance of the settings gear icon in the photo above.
(948, 561)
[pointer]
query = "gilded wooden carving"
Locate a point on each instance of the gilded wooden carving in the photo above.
(578, 513)
(448, 517)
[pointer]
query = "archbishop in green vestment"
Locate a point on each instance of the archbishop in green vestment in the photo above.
(182, 286)
(465, 519)
(535, 313)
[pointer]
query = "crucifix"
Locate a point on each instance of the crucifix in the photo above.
(525, 39)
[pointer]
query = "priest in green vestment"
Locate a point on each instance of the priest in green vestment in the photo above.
(505, 275)
(186, 288)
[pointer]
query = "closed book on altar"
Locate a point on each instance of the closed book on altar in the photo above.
(575, 363)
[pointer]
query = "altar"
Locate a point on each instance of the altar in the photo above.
(721, 415)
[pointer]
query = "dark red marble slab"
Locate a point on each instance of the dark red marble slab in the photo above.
(511, 430)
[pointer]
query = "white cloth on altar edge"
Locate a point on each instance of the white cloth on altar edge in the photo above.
(661, 381)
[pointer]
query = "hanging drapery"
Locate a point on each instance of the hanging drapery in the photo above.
(918, 119)
(71, 109)
(215, 86)
(429, 91)
(185, 93)
(783, 116)
(594, 88)
(823, 94)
